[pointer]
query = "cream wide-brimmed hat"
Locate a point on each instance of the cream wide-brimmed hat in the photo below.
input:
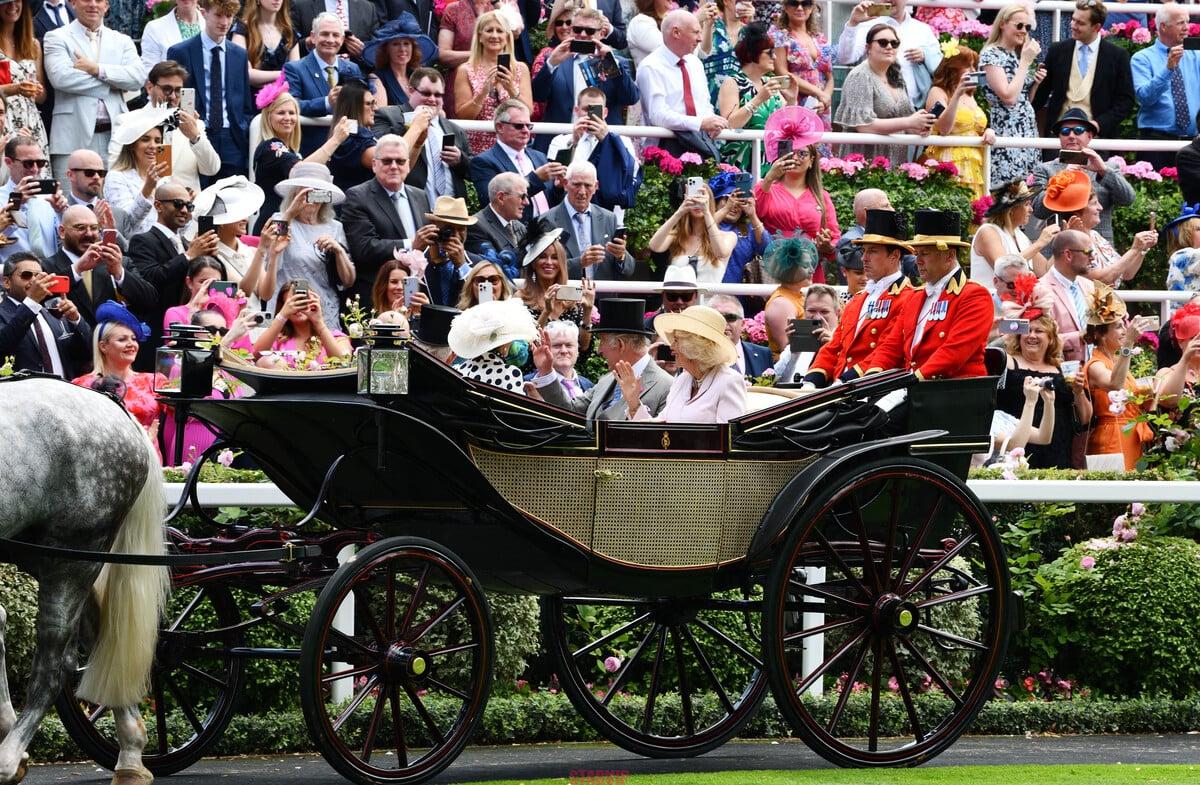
(230, 200)
(490, 325)
(698, 320)
(309, 175)
(131, 126)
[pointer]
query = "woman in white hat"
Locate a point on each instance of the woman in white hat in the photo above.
(230, 202)
(314, 247)
(482, 335)
(545, 270)
(135, 172)
(708, 390)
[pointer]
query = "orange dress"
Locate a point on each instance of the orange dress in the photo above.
(1110, 434)
(796, 299)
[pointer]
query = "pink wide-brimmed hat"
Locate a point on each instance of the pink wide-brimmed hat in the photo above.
(796, 123)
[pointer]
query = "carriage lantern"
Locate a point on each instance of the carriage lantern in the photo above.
(184, 363)
(383, 361)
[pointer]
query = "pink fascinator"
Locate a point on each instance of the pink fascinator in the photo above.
(802, 126)
(225, 305)
(1029, 299)
(269, 93)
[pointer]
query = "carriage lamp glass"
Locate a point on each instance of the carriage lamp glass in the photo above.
(184, 363)
(383, 361)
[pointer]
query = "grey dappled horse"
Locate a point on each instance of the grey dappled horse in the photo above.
(80, 473)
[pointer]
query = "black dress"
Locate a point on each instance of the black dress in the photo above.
(1010, 398)
(269, 59)
(273, 162)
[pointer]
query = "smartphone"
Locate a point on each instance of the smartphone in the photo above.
(301, 289)
(564, 156)
(619, 234)
(412, 285)
(1153, 324)
(204, 223)
(743, 183)
(1191, 42)
(596, 111)
(163, 157)
(1073, 157)
(187, 99)
(804, 337)
(504, 60)
(227, 288)
(60, 284)
(14, 199)
(109, 237)
(879, 9)
(1069, 368)
(447, 141)
(1014, 327)
(352, 126)
(976, 78)
(695, 186)
(583, 47)
(483, 292)
(571, 294)
(259, 318)
(937, 109)
(47, 187)
(320, 197)
(778, 82)
(281, 227)
(783, 149)
(664, 354)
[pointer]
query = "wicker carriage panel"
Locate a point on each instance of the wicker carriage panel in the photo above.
(566, 504)
(660, 512)
(752, 486)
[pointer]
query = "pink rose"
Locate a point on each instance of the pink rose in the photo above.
(225, 458)
(1137, 509)
(859, 157)
(612, 664)
(1140, 36)
(1170, 172)
(1087, 562)
(893, 685)
(881, 162)
(691, 158)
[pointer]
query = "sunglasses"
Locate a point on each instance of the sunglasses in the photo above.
(27, 275)
(169, 90)
(584, 30)
(393, 161)
(1087, 252)
(492, 279)
(34, 163)
(432, 94)
(214, 330)
(730, 318)
(91, 172)
(178, 204)
(518, 126)
(562, 22)
(679, 297)
(1078, 130)
(888, 43)
(799, 3)
(1022, 26)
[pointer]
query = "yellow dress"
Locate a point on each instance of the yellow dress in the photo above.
(969, 120)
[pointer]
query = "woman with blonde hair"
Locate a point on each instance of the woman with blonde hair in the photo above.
(692, 235)
(954, 88)
(482, 83)
(1183, 250)
(1001, 234)
(265, 31)
(707, 389)
(484, 273)
(545, 270)
(134, 174)
(1012, 73)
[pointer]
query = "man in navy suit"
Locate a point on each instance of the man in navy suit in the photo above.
(512, 153)
(37, 339)
(752, 359)
(561, 81)
(219, 72)
(314, 78)
(51, 16)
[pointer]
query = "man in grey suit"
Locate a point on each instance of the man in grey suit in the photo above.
(621, 336)
(499, 222)
(594, 249)
(89, 66)
(384, 215)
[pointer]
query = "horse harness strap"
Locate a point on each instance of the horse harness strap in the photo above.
(288, 552)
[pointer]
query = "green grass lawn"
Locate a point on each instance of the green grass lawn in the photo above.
(949, 775)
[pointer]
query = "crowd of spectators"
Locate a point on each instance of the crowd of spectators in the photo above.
(307, 153)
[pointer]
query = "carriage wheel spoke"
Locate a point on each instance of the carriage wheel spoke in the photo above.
(932, 671)
(160, 714)
(444, 687)
(344, 639)
(187, 611)
(452, 649)
(95, 714)
(398, 728)
(876, 686)
(355, 703)
(937, 565)
(446, 611)
(417, 594)
(706, 666)
(824, 666)
(911, 553)
(902, 681)
(373, 726)
(203, 675)
(811, 588)
(864, 545)
(841, 563)
(943, 599)
(652, 693)
(424, 714)
(889, 546)
(184, 705)
(847, 688)
(336, 675)
(362, 609)
(685, 694)
(833, 625)
(626, 669)
(390, 612)
(952, 638)
(730, 642)
(624, 628)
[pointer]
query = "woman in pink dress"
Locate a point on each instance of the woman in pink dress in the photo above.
(456, 37)
(298, 338)
(482, 83)
(115, 342)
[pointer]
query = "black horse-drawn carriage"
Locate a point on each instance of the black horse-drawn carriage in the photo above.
(824, 544)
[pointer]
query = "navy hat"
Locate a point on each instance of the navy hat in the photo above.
(403, 26)
(113, 311)
(1077, 116)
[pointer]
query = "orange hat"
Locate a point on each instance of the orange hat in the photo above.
(1068, 191)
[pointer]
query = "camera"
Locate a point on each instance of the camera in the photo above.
(1047, 384)
(444, 234)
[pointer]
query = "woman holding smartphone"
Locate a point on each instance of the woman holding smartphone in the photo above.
(26, 90)
(490, 76)
(802, 51)
(954, 84)
(1012, 73)
(135, 174)
(484, 282)
(692, 235)
(750, 94)
(397, 287)
(545, 270)
(299, 337)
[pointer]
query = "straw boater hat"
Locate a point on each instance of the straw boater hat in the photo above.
(1106, 307)
(314, 176)
(882, 227)
(230, 200)
(449, 210)
(938, 228)
(1068, 191)
(490, 325)
(698, 320)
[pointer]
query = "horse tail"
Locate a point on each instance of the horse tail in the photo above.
(131, 599)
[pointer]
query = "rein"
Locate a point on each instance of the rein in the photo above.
(287, 553)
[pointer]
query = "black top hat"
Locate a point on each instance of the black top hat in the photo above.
(937, 227)
(1077, 115)
(434, 325)
(622, 315)
(883, 227)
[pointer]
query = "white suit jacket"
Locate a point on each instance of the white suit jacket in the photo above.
(77, 92)
(159, 36)
(188, 161)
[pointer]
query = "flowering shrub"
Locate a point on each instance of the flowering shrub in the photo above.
(1155, 192)
(1131, 36)
(970, 33)
(654, 203)
(754, 329)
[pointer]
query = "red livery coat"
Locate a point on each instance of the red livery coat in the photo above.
(850, 346)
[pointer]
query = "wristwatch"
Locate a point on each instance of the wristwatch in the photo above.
(1125, 351)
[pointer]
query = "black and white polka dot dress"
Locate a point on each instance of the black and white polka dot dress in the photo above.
(490, 368)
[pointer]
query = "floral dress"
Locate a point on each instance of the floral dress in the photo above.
(721, 63)
(139, 400)
(23, 115)
(477, 76)
(969, 120)
(1010, 163)
(740, 153)
(126, 16)
(801, 63)
(1183, 270)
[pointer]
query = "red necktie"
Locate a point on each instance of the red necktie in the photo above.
(689, 103)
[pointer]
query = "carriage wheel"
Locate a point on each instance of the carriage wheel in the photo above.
(696, 659)
(194, 687)
(421, 627)
(901, 572)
